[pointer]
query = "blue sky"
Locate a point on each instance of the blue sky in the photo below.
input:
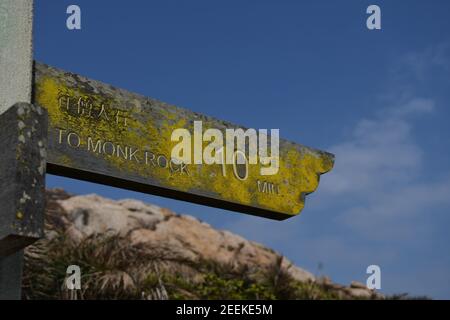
(379, 100)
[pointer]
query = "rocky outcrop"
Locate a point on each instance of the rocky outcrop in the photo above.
(149, 225)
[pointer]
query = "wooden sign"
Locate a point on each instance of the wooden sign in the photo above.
(111, 136)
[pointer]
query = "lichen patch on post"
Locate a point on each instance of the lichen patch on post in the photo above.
(22, 197)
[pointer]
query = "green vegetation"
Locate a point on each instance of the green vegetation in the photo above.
(112, 268)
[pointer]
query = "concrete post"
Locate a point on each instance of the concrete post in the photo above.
(16, 59)
(16, 52)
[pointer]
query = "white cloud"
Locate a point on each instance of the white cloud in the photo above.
(418, 66)
(381, 151)
(413, 107)
(379, 171)
(381, 199)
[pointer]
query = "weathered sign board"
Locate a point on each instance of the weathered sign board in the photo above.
(108, 135)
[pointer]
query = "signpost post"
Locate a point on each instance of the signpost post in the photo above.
(88, 130)
(23, 140)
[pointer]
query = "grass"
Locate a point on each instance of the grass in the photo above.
(112, 268)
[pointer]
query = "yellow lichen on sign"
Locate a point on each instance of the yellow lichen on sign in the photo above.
(96, 128)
